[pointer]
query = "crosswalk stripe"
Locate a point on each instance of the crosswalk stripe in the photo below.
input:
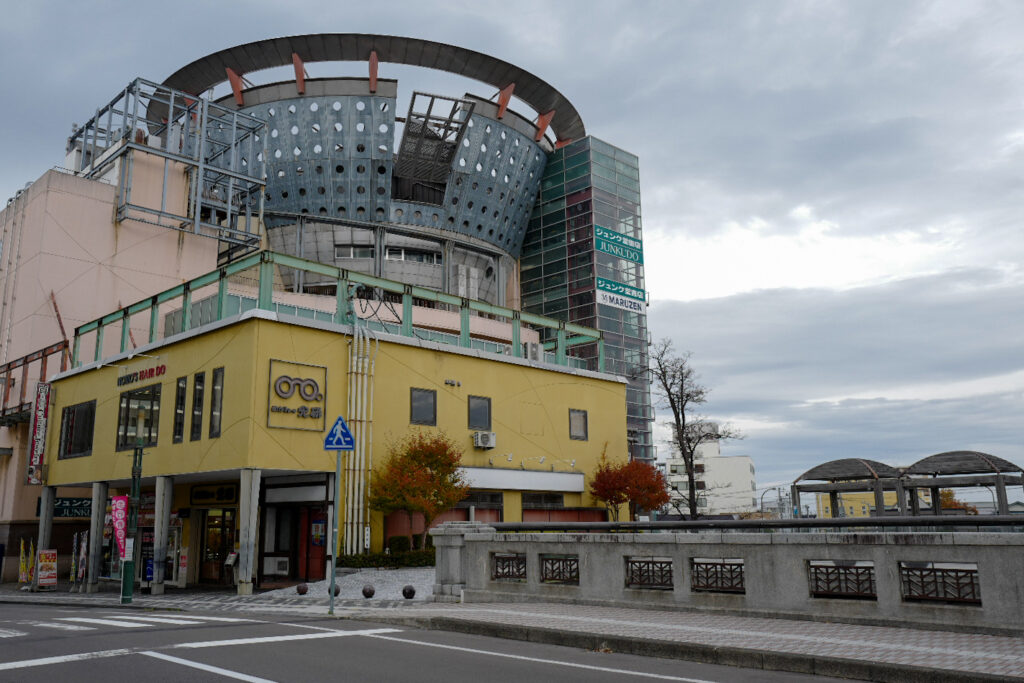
(64, 627)
(105, 622)
(157, 620)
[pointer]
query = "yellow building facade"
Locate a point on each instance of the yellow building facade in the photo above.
(232, 417)
(862, 503)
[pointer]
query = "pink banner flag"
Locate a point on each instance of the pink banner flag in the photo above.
(119, 518)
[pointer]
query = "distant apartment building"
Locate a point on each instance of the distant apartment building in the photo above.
(725, 483)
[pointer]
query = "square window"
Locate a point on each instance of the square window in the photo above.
(138, 418)
(578, 424)
(76, 425)
(423, 406)
(480, 413)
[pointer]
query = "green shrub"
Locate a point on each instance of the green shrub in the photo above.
(409, 558)
(399, 544)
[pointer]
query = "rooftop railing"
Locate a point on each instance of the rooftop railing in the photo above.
(255, 282)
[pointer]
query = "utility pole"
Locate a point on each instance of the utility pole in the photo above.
(128, 564)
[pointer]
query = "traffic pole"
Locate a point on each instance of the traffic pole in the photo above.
(334, 531)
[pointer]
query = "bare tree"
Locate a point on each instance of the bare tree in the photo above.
(678, 388)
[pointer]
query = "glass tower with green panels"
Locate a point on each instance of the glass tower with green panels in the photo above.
(582, 262)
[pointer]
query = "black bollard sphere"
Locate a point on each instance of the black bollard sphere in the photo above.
(368, 591)
(337, 589)
(409, 592)
(302, 589)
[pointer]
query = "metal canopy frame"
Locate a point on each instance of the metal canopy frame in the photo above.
(220, 150)
(433, 131)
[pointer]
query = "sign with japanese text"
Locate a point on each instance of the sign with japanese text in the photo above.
(47, 568)
(69, 507)
(618, 245)
(618, 295)
(119, 520)
(37, 444)
(297, 396)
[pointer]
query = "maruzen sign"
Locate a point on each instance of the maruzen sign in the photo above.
(37, 444)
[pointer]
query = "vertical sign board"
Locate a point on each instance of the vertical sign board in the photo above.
(40, 416)
(119, 519)
(47, 568)
(618, 295)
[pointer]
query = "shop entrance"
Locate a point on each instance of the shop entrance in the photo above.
(218, 543)
(295, 543)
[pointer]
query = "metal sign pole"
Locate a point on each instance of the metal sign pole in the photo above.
(334, 531)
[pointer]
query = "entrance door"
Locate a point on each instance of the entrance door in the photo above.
(218, 542)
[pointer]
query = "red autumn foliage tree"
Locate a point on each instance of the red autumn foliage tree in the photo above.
(640, 485)
(949, 501)
(421, 475)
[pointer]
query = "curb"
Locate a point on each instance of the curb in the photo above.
(836, 667)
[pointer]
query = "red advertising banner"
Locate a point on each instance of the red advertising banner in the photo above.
(47, 568)
(119, 518)
(37, 444)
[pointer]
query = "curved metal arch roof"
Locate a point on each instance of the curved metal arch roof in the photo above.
(208, 71)
(850, 469)
(962, 462)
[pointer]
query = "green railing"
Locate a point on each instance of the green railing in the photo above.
(182, 311)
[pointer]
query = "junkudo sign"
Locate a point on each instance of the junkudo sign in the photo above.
(618, 245)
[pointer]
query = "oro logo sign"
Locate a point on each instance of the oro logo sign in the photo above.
(297, 396)
(308, 389)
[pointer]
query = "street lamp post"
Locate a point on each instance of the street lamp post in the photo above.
(128, 564)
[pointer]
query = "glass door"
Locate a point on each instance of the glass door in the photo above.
(218, 543)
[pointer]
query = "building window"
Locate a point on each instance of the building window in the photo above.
(138, 418)
(198, 387)
(423, 407)
(352, 251)
(216, 401)
(415, 255)
(76, 425)
(179, 410)
(480, 413)
(578, 424)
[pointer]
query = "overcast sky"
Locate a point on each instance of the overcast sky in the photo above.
(832, 192)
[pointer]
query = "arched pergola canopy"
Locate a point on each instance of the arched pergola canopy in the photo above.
(962, 462)
(849, 469)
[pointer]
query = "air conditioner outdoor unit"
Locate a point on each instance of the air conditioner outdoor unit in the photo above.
(534, 351)
(484, 439)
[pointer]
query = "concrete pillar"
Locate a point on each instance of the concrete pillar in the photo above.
(47, 497)
(248, 523)
(879, 499)
(161, 529)
(100, 489)
(1002, 505)
(901, 498)
(451, 567)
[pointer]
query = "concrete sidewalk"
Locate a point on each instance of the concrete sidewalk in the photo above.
(875, 653)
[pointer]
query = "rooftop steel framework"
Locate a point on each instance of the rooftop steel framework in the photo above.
(220, 150)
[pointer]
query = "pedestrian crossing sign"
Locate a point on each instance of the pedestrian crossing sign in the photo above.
(339, 438)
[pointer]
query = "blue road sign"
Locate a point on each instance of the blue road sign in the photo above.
(339, 438)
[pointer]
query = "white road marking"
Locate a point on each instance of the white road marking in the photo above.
(573, 665)
(46, 661)
(158, 620)
(57, 624)
(106, 622)
(11, 633)
(283, 639)
(206, 667)
(224, 619)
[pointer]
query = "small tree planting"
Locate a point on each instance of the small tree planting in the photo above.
(421, 475)
(949, 501)
(637, 483)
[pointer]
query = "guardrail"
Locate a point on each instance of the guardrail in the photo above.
(970, 580)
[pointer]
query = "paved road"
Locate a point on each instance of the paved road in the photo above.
(102, 644)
